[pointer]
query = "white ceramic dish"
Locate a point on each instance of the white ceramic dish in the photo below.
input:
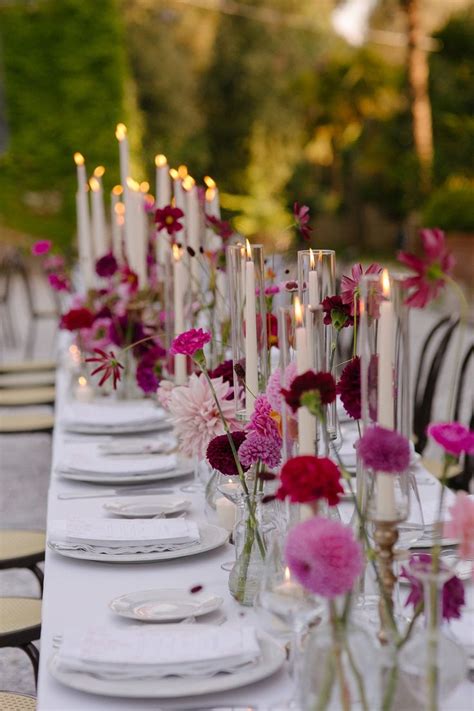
(165, 605)
(96, 429)
(181, 471)
(272, 658)
(147, 506)
(210, 537)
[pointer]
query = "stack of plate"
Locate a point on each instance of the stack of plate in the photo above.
(114, 418)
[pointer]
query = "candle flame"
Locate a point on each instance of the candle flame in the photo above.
(149, 199)
(210, 194)
(311, 259)
(176, 252)
(298, 312)
(182, 171)
(160, 160)
(209, 182)
(95, 185)
(99, 171)
(188, 183)
(248, 249)
(119, 208)
(320, 256)
(174, 173)
(82, 381)
(386, 284)
(144, 186)
(117, 190)
(120, 132)
(78, 159)
(287, 574)
(132, 184)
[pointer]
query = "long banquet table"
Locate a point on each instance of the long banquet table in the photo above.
(77, 593)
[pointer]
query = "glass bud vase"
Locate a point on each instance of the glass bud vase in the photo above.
(246, 574)
(340, 670)
(127, 388)
(432, 664)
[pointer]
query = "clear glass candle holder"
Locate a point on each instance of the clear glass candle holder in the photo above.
(286, 341)
(388, 497)
(245, 301)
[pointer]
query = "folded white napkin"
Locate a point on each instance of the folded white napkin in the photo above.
(121, 535)
(111, 415)
(158, 445)
(89, 458)
(140, 652)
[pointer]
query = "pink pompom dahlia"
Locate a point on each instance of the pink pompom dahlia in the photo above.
(384, 450)
(324, 556)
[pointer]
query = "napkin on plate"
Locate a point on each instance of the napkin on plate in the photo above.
(139, 652)
(89, 459)
(116, 536)
(158, 445)
(111, 416)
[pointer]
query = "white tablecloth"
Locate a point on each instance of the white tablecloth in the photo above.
(77, 593)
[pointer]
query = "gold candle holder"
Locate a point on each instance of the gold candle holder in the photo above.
(385, 537)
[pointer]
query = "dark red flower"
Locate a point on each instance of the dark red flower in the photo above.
(76, 319)
(109, 366)
(349, 390)
(321, 384)
(308, 478)
(224, 370)
(220, 227)
(336, 313)
(59, 282)
(168, 218)
(301, 215)
(219, 453)
(128, 276)
(106, 266)
(430, 269)
(149, 368)
(453, 590)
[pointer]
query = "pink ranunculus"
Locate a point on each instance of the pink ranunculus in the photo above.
(430, 269)
(324, 556)
(461, 525)
(453, 437)
(189, 342)
(42, 246)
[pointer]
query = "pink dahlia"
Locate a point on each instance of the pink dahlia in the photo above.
(430, 269)
(273, 391)
(384, 450)
(262, 419)
(163, 394)
(189, 342)
(42, 246)
(260, 448)
(453, 437)
(195, 415)
(324, 556)
(350, 286)
(461, 525)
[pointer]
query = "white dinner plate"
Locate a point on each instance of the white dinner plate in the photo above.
(147, 506)
(165, 605)
(181, 471)
(84, 428)
(272, 657)
(428, 542)
(210, 537)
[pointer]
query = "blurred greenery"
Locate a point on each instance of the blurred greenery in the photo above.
(275, 111)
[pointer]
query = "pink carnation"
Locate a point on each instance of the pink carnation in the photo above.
(384, 450)
(454, 437)
(258, 447)
(461, 525)
(42, 246)
(324, 556)
(273, 391)
(163, 393)
(189, 342)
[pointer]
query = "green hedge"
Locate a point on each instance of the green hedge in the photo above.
(64, 67)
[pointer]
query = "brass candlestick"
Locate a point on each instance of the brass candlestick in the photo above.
(385, 536)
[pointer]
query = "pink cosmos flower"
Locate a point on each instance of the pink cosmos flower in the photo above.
(384, 450)
(59, 282)
(189, 342)
(324, 556)
(195, 414)
(97, 336)
(461, 525)
(454, 437)
(163, 393)
(301, 215)
(453, 589)
(42, 246)
(350, 286)
(430, 269)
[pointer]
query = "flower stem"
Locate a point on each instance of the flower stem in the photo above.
(344, 689)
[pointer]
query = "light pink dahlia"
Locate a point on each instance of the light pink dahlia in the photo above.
(163, 393)
(195, 415)
(324, 556)
(274, 385)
